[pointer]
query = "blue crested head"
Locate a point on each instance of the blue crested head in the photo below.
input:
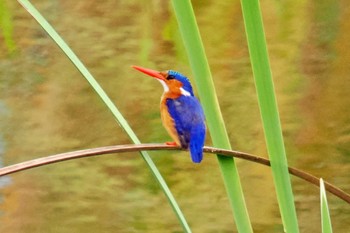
(182, 78)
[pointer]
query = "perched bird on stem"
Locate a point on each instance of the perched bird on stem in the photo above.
(182, 115)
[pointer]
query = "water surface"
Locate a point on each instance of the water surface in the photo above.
(50, 108)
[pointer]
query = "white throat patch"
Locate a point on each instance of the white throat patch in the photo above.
(166, 88)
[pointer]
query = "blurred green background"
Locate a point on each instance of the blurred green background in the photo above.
(47, 107)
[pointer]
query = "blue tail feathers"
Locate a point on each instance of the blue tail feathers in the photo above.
(197, 142)
(196, 152)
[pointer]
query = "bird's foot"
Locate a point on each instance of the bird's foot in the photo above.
(171, 143)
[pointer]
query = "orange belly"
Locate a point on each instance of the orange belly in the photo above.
(168, 122)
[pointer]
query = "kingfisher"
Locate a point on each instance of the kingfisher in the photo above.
(181, 113)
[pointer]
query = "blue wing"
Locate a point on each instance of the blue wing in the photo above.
(189, 123)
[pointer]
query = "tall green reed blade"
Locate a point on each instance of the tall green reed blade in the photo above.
(6, 27)
(195, 51)
(269, 112)
(119, 117)
(325, 217)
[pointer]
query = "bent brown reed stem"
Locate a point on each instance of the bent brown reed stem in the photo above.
(150, 147)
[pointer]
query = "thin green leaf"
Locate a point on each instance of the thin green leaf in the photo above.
(269, 112)
(195, 51)
(325, 217)
(6, 26)
(119, 117)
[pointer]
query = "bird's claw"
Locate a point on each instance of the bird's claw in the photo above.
(171, 143)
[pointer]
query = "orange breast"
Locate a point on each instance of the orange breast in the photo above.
(168, 121)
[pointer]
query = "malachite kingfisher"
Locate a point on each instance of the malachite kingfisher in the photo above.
(181, 113)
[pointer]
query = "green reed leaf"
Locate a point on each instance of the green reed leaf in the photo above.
(6, 27)
(269, 112)
(325, 217)
(203, 79)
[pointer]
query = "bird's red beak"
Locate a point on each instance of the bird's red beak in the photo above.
(153, 73)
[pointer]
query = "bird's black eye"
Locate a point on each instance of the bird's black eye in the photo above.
(170, 77)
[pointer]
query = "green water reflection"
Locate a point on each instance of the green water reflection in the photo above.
(46, 107)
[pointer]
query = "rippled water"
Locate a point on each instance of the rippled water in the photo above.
(47, 107)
